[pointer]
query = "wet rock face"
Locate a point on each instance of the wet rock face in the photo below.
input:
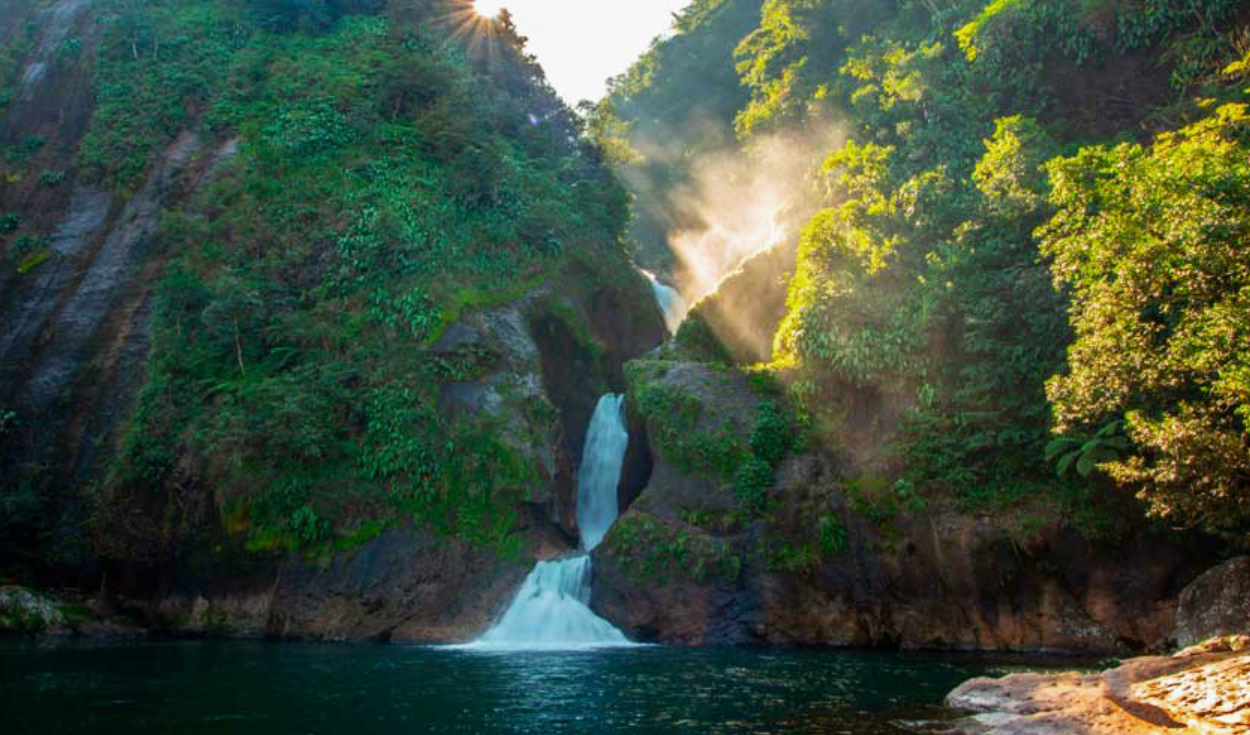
(110, 272)
(953, 581)
(406, 585)
(546, 378)
(1204, 691)
(56, 21)
(49, 98)
(1215, 604)
(513, 385)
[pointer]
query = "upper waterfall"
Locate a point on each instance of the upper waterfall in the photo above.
(670, 301)
(602, 458)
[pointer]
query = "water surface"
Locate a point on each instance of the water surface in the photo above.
(277, 688)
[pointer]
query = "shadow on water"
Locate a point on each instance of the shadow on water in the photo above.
(269, 688)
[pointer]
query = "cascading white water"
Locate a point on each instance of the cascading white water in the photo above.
(602, 458)
(552, 610)
(671, 302)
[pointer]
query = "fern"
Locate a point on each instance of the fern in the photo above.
(1086, 453)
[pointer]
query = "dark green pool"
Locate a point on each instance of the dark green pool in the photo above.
(273, 689)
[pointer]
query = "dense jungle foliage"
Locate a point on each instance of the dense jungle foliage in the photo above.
(1027, 280)
(390, 174)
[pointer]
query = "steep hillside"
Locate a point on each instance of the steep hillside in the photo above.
(989, 339)
(280, 291)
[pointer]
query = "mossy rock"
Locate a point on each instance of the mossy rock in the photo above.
(23, 612)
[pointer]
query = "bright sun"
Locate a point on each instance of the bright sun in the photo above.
(488, 8)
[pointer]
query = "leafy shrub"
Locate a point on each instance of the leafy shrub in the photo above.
(24, 150)
(51, 179)
(831, 535)
(310, 528)
(1152, 242)
(697, 341)
(653, 551)
(24, 245)
(9, 222)
(8, 421)
(772, 437)
(69, 50)
(751, 484)
(310, 127)
(308, 15)
(1085, 453)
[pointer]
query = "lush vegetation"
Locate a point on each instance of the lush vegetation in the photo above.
(367, 180)
(710, 441)
(1024, 285)
(1153, 243)
(652, 550)
(385, 184)
(986, 278)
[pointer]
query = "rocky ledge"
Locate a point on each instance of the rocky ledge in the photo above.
(27, 613)
(1203, 689)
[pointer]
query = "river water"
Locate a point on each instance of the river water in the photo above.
(301, 689)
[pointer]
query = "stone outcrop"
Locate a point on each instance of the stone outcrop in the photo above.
(936, 577)
(1201, 690)
(404, 585)
(749, 303)
(1215, 604)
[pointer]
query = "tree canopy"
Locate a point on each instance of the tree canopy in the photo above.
(1153, 244)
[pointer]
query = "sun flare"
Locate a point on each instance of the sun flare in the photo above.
(488, 8)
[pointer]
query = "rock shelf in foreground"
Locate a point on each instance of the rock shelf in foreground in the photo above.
(1203, 690)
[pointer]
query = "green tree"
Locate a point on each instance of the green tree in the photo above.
(1153, 243)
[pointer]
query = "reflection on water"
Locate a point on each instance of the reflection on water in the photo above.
(242, 687)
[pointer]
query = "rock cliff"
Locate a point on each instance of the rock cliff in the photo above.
(835, 560)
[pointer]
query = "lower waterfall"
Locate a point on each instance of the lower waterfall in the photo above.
(552, 609)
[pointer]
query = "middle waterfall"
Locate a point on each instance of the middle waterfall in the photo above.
(602, 458)
(552, 609)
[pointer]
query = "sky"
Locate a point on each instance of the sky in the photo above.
(581, 43)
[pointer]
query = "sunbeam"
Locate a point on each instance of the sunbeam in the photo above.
(489, 8)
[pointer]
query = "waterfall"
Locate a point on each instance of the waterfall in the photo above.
(552, 609)
(671, 302)
(602, 458)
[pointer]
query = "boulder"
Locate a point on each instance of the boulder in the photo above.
(23, 612)
(1215, 604)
